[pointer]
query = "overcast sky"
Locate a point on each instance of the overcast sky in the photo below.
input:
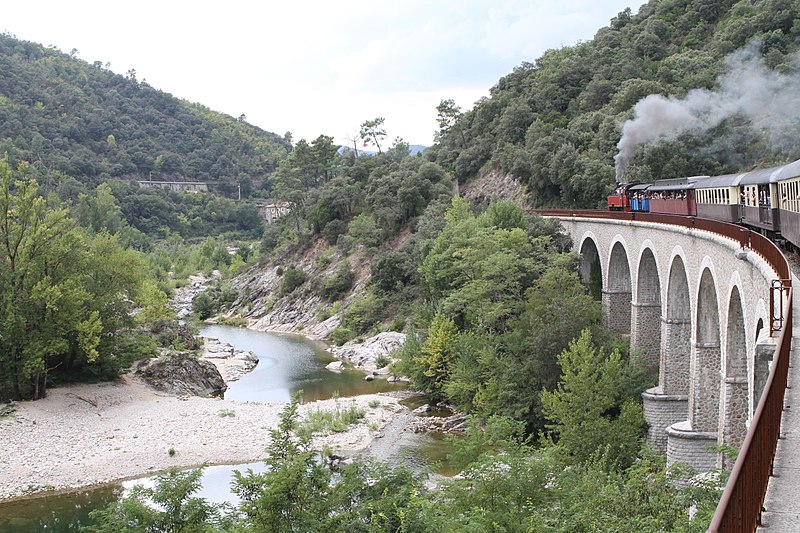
(314, 67)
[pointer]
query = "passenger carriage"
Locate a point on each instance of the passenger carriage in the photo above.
(673, 196)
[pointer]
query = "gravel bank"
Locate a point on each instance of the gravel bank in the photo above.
(92, 434)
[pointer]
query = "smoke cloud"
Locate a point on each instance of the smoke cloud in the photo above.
(768, 100)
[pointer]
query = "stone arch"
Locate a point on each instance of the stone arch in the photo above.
(704, 388)
(734, 403)
(673, 375)
(646, 311)
(590, 268)
(617, 295)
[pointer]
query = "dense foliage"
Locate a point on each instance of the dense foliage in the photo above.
(554, 122)
(507, 486)
(66, 294)
(81, 119)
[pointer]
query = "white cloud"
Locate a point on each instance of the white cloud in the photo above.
(315, 67)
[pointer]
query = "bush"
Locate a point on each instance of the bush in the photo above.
(338, 285)
(204, 305)
(333, 229)
(364, 230)
(270, 238)
(340, 336)
(214, 300)
(336, 421)
(362, 313)
(292, 278)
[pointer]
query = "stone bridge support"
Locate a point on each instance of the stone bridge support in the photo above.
(695, 305)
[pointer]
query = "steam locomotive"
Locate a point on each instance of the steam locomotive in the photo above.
(766, 200)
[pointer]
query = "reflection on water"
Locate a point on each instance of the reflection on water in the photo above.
(61, 513)
(288, 363)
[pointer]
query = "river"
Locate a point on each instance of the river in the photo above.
(287, 363)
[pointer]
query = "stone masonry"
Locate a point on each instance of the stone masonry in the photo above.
(673, 289)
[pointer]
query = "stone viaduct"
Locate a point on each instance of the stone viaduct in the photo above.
(697, 307)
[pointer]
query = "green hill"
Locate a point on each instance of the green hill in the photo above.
(555, 123)
(64, 114)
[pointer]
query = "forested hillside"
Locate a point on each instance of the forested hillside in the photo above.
(555, 122)
(64, 114)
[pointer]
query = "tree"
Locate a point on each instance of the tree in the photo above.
(43, 301)
(588, 413)
(438, 355)
(62, 292)
(447, 117)
(167, 507)
(291, 495)
(373, 132)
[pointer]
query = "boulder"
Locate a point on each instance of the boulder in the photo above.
(182, 374)
(336, 366)
(363, 355)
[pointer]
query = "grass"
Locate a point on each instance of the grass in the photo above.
(374, 403)
(335, 421)
(236, 321)
(226, 412)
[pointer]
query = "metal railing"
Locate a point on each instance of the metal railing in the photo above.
(740, 507)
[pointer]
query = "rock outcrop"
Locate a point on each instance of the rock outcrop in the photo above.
(181, 301)
(363, 355)
(231, 363)
(182, 374)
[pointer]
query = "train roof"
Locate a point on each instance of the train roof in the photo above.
(754, 177)
(672, 184)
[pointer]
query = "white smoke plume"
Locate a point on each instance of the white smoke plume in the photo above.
(769, 100)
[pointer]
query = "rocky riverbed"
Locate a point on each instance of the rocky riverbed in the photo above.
(92, 434)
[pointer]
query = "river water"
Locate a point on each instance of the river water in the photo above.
(287, 363)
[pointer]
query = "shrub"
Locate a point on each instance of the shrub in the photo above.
(333, 229)
(382, 361)
(340, 336)
(204, 305)
(338, 285)
(270, 238)
(363, 313)
(336, 421)
(364, 230)
(292, 278)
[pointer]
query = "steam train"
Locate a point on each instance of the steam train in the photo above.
(766, 200)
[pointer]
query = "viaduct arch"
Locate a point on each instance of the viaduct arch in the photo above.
(696, 307)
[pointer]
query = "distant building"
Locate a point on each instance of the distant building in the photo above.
(271, 212)
(177, 186)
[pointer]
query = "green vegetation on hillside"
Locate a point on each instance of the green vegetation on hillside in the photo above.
(554, 123)
(68, 116)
